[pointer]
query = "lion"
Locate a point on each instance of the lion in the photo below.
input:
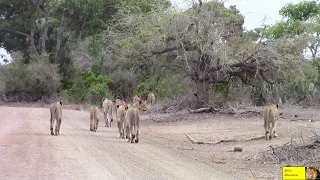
(132, 121)
(121, 115)
(136, 98)
(95, 116)
(55, 116)
(107, 106)
(117, 103)
(151, 98)
(120, 102)
(141, 105)
(270, 115)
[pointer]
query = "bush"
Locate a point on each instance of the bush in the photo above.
(167, 85)
(122, 84)
(299, 84)
(293, 85)
(89, 87)
(30, 82)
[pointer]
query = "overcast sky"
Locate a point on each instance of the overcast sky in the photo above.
(253, 10)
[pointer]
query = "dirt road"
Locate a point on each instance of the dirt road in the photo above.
(28, 151)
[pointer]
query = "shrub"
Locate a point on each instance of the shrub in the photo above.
(123, 83)
(292, 85)
(32, 81)
(166, 86)
(89, 87)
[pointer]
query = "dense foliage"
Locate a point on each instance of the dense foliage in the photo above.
(89, 87)
(92, 48)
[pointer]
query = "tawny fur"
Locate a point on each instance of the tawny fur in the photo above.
(132, 121)
(140, 105)
(151, 98)
(136, 99)
(55, 116)
(270, 115)
(95, 116)
(121, 115)
(120, 102)
(107, 106)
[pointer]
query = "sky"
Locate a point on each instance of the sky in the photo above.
(7, 56)
(256, 12)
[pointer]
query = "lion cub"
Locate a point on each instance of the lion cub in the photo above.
(95, 115)
(270, 115)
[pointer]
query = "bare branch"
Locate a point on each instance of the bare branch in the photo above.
(15, 31)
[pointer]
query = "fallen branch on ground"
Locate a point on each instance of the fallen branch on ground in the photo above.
(248, 111)
(227, 111)
(303, 119)
(200, 110)
(194, 141)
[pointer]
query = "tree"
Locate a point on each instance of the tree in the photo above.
(301, 21)
(198, 41)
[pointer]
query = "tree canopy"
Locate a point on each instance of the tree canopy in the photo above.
(145, 45)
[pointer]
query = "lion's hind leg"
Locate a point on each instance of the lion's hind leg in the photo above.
(119, 128)
(59, 125)
(136, 128)
(97, 124)
(51, 123)
(56, 128)
(274, 126)
(271, 127)
(266, 125)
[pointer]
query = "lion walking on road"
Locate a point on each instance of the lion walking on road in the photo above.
(95, 116)
(107, 106)
(151, 98)
(55, 116)
(270, 115)
(132, 121)
(121, 115)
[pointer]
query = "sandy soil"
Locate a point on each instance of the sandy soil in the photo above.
(164, 152)
(28, 151)
(170, 130)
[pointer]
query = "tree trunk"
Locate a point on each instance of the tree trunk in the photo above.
(45, 31)
(318, 84)
(31, 38)
(202, 94)
(82, 27)
(60, 36)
